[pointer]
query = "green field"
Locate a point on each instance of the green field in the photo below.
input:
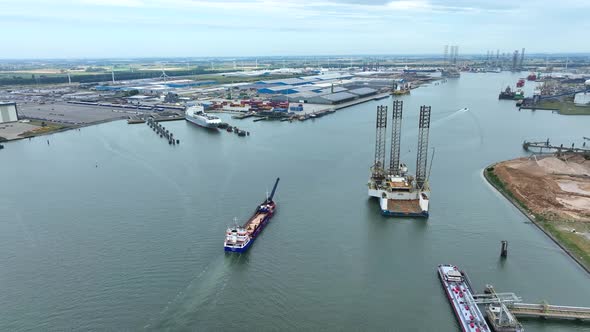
(9, 79)
(566, 107)
(575, 242)
(57, 76)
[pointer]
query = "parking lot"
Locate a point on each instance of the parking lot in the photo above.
(69, 113)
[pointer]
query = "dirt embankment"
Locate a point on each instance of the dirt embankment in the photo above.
(557, 188)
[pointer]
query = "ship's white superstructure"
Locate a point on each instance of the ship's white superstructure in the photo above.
(399, 196)
(196, 114)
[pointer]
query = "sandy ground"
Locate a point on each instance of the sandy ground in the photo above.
(550, 185)
(13, 129)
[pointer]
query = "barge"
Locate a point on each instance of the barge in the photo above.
(459, 292)
(240, 238)
(507, 94)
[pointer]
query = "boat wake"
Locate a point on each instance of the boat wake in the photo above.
(201, 294)
(454, 114)
(457, 113)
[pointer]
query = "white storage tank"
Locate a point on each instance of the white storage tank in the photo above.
(582, 98)
(8, 112)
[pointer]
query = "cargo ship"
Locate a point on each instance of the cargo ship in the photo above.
(240, 238)
(196, 114)
(399, 193)
(459, 292)
(507, 94)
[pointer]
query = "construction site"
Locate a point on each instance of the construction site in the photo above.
(553, 190)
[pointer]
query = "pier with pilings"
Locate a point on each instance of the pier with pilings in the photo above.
(502, 310)
(545, 310)
(163, 132)
(497, 309)
(547, 147)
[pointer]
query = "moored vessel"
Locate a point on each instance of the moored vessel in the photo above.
(519, 94)
(240, 238)
(196, 114)
(459, 293)
(506, 94)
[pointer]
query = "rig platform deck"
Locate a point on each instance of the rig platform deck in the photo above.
(404, 206)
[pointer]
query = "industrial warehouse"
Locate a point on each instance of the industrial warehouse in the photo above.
(289, 98)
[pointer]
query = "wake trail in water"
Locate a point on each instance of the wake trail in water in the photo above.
(202, 292)
(457, 113)
(449, 115)
(479, 128)
(443, 120)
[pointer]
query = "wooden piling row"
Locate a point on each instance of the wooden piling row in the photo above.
(163, 132)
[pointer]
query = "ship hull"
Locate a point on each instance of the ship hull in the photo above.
(414, 204)
(239, 250)
(506, 96)
(387, 213)
(200, 123)
(457, 305)
(440, 277)
(254, 235)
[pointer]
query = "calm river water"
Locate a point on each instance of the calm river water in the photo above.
(110, 228)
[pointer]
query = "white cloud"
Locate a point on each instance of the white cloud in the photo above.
(409, 5)
(114, 3)
(261, 25)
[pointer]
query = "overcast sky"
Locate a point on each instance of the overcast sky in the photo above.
(154, 28)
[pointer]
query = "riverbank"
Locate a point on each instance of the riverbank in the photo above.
(565, 107)
(553, 194)
(20, 130)
(35, 128)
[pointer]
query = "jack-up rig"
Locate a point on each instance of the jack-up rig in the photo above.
(400, 194)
